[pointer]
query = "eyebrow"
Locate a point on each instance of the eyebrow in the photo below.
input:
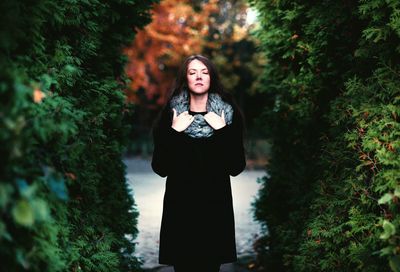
(196, 69)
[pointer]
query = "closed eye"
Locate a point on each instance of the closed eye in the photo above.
(192, 72)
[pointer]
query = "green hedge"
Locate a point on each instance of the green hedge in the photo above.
(330, 201)
(64, 201)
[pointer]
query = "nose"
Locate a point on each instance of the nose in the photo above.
(198, 77)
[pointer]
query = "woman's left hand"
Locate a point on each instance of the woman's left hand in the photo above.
(214, 120)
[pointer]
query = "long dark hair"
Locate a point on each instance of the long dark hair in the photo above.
(216, 86)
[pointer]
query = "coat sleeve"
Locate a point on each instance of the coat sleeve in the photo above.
(167, 145)
(229, 146)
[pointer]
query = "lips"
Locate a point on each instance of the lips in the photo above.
(198, 84)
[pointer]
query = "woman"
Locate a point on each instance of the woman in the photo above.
(198, 145)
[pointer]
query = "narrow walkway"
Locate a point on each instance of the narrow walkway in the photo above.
(224, 268)
(148, 189)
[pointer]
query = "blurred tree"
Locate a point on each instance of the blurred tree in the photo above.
(217, 29)
(177, 30)
(233, 50)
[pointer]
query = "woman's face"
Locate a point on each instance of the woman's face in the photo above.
(198, 77)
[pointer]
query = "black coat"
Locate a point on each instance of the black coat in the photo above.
(197, 220)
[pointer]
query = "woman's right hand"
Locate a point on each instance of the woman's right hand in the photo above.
(182, 121)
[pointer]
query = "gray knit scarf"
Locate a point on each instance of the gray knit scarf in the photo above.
(199, 128)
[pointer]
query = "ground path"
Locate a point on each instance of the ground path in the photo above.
(148, 190)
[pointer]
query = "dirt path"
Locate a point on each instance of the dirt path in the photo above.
(224, 268)
(148, 189)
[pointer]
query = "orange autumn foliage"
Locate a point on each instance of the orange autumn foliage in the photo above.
(38, 95)
(176, 31)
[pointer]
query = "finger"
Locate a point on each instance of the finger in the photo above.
(189, 120)
(208, 115)
(223, 115)
(174, 110)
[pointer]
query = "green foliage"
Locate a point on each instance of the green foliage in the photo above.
(64, 202)
(330, 200)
